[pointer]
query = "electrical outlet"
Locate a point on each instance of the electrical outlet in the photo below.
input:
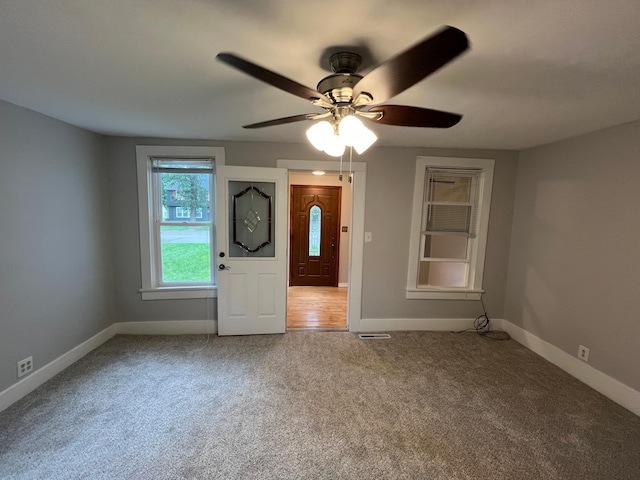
(25, 366)
(583, 353)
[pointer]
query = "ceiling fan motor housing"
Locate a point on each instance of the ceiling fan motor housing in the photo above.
(339, 86)
(345, 62)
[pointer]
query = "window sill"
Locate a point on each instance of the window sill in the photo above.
(175, 293)
(443, 294)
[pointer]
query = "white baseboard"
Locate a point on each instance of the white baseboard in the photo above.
(169, 327)
(343, 285)
(27, 385)
(608, 386)
(177, 327)
(400, 324)
(601, 382)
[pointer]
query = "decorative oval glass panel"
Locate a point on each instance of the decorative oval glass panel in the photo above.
(315, 226)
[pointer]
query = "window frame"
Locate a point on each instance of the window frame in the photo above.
(182, 209)
(149, 253)
(477, 247)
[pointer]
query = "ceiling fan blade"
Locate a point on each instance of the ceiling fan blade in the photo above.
(409, 67)
(406, 116)
(282, 121)
(272, 78)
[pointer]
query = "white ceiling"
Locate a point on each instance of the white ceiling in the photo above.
(537, 71)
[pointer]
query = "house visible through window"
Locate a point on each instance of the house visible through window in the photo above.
(183, 231)
(176, 188)
(449, 227)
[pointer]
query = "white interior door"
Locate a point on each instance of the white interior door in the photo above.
(252, 250)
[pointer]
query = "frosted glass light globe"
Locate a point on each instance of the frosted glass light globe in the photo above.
(320, 134)
(334, 146)
(365, 140)
(350, 129)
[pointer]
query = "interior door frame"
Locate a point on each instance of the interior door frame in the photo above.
(356, 247)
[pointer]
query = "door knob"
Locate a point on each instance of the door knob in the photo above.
(222, 266)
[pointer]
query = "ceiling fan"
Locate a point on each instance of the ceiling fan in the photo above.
(347, 95)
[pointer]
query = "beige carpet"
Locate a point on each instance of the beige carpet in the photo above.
(310, 405)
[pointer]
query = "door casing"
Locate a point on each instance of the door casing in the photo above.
(356, 254)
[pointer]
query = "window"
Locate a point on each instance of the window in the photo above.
(182, 212)
(452, 199)
(315, 219)
(177, 231)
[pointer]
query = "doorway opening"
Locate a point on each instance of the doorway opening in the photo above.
(319, 248)
(355, 249)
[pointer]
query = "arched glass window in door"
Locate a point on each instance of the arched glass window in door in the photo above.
(315, 220)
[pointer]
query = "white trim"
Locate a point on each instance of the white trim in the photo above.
(146, 204)
(608, 386)
(415, 324)
(356, 255)
(167, 293)
(168, 327)
(326, 165)
(437, 294)
(27, 385)
(343, 285)
(172, 327)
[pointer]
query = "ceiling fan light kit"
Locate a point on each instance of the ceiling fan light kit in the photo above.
(346, 95)
(333, 138)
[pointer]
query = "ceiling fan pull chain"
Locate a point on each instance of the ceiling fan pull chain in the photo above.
(340, 176)
(350, 159)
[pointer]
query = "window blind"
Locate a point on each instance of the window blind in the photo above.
(451, 202)
(182, 165)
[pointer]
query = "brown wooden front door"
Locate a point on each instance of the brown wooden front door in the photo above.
(315, 235)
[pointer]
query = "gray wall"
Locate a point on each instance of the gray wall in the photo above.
(574, 266)
(70, 260)
(390, 174)
(56, 283)
(390, 178)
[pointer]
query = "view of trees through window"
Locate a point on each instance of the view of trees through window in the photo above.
(186, 192)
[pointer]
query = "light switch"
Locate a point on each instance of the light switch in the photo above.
(367, 237)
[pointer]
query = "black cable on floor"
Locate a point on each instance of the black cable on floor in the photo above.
(482, 326)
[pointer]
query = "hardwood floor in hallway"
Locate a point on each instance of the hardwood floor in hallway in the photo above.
(317, 307)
